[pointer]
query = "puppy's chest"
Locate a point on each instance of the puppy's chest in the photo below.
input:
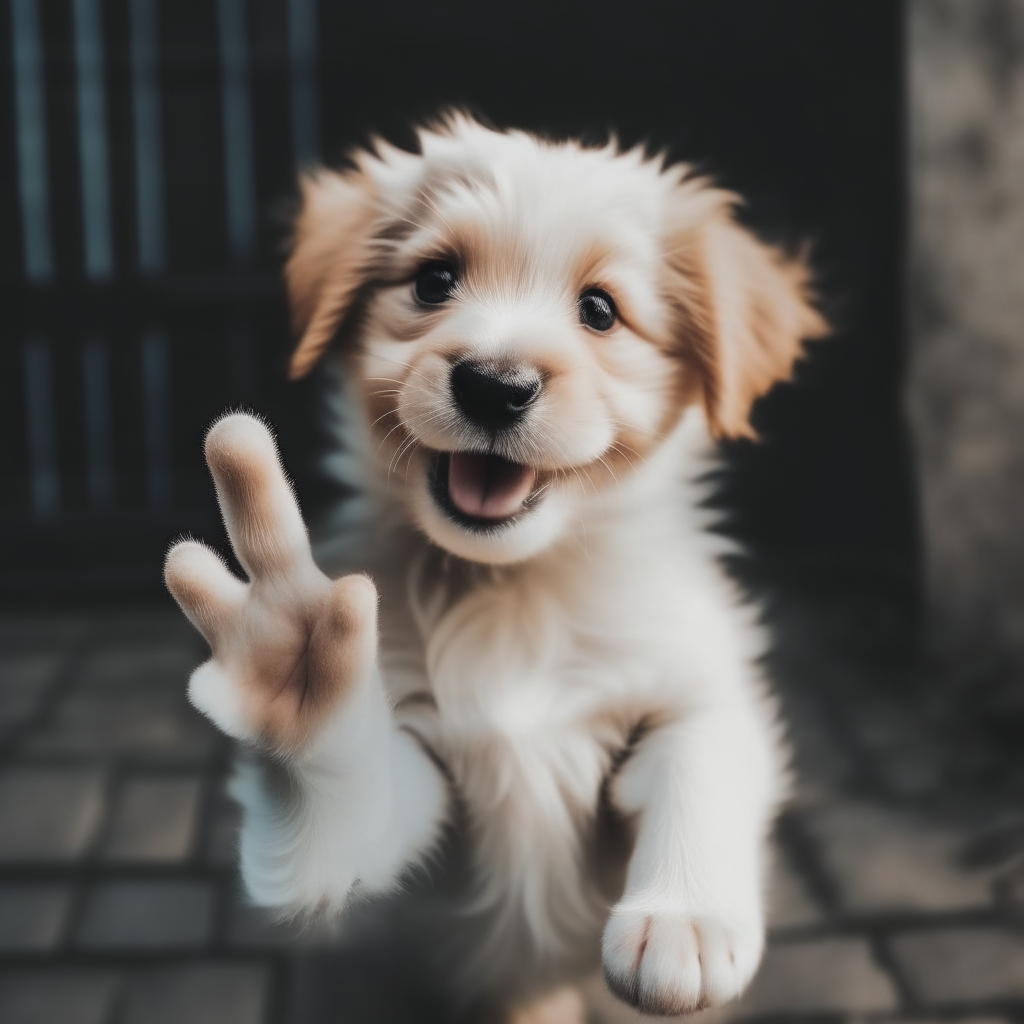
(527, 716)
(528, 710)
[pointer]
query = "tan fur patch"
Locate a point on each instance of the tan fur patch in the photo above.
(340, 652)
(743, 311)
(330, 251)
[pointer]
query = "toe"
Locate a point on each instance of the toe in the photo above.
(670, 974)
(669, 963)
(719, 981)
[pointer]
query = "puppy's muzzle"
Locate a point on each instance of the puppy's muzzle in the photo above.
(491, 396)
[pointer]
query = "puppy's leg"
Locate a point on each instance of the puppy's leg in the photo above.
(333, 792)
(689, 929)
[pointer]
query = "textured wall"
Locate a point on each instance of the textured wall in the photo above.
(966, 386)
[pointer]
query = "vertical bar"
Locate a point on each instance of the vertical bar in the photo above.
(96, 402)
(146, 129)
(241, 371)
(302, 67)
(156, 407)
(30, 120)
(42, 429)
(92, 139)
(238, 179)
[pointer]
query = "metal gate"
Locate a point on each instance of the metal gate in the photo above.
(144, 150)
(146, 147)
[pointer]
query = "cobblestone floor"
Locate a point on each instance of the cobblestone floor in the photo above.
(891, 900)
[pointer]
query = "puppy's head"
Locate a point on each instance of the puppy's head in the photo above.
(526, 321)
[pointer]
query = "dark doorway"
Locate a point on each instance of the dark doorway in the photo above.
(110, 371)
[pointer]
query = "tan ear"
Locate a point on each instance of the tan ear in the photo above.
(746, 312)
(330, 252)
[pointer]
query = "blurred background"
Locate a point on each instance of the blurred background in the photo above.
(148, 169)
(148, 152)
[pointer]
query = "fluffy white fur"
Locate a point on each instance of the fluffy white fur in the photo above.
(587, 653)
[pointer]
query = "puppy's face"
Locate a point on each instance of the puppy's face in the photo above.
(513, 355)
(530, 320)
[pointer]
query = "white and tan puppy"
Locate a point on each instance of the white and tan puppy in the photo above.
(539, 344)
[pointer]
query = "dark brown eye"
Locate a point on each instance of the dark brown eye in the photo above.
(435, 283)
(596, 309)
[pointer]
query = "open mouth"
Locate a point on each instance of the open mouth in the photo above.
(481, 490)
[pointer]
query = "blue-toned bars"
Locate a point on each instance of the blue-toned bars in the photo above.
(239, 188)
(146, 129)
(96, 407)
(302, 72)
(98, 255)
(44, 475)
(156, 418)
(30, 126)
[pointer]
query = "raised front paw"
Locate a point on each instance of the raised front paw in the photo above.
(289, 644)
(670, 963)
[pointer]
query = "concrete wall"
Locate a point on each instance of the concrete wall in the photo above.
(966, 383)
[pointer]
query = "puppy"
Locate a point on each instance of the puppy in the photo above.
(539, 343)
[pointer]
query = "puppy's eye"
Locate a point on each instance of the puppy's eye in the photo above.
(435, 283)
(596, 309)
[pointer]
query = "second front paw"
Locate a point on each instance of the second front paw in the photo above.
(667, 963)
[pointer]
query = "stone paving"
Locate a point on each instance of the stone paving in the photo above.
(119, 902)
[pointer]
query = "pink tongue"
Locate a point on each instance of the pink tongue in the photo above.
(487, 486)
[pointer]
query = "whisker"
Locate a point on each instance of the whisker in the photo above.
(407, 446)
(390, 412)
(415, 370)
(386, 436)
(408, 462)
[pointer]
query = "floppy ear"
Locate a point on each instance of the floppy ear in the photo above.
(745, 311)
(330, 252)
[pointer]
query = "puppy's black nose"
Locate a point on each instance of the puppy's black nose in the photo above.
(491, 396)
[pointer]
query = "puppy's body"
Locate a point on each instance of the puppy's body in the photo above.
(533, 682)
(538, 341)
